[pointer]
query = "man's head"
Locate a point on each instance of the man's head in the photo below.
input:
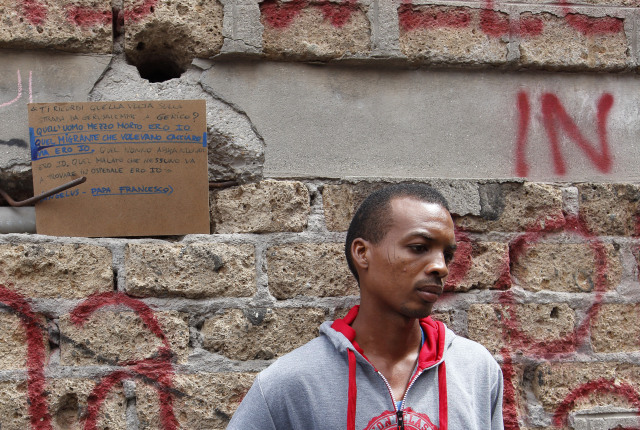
(373, 218)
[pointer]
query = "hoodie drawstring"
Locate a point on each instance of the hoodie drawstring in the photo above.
(353, 392)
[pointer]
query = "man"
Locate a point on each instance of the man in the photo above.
(386, 365)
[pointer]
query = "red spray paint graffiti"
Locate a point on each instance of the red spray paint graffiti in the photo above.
(156, 371)
(554, 116)
(278, 14)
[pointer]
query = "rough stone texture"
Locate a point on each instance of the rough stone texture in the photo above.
(489, 263)
(553, 382)
(79, 26)
(574, 42)
(13, 405)
(533, 323)
(68, 402)
(172, 32)
(454, 35)
(565, 267)
(268, 206)
(616, 328)
(610, 209)
(319, 31)
(116, 337)
(233, 333)
(52, 270)
(309, 269)
(516, 207)
(194, 270)
(205, 400)
(13, 341)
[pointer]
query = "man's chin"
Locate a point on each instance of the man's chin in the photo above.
(421, 312)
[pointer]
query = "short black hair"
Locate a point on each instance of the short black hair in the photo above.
(372, 220)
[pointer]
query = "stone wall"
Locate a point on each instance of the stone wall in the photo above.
(169, 332)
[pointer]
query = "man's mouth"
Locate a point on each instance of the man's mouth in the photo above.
(429, 292)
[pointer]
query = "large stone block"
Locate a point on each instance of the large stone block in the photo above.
(602, 384)
(517, 207)
(567, 267)
(610, 209)
(161, 34)
(201, 401)
(575, 41)
(340, 202)
(616, 328)
(56, 271)
(234, 333)
(486, 264)
(116, 337)
(14, 338)
(265, 207)
(522, 327)
(194, 270)
(309, 269)
(69, 401)
(454, 35)
(79, 26)
(321, 30)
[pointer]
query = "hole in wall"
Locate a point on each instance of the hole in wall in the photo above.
(159, 69)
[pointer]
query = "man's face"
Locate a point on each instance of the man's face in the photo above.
(406, 270)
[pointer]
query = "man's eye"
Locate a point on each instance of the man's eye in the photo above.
(418, 248)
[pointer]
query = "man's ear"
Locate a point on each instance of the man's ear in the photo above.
(360, 253)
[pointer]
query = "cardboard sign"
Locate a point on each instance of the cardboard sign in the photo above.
(145, 164)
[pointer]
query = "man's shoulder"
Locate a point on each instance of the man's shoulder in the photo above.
(465, 351)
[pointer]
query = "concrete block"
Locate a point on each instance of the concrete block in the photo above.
(577, 41)
(616, 328)
(553, 382)
(82, 26)
(519, 326)
(202, 401)
(565, 267)
(610, 209)
(195, 270)
(305, 30)
(27, 76)
(233, 333)
(264, 207)
(55, 270)
(488, 263)
(518, 207)
(309, 269)
(165, 33)
(69, 400)
(453, 35)
(13, 341)
(107, 338)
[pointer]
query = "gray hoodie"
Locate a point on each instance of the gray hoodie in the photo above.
(329, 384)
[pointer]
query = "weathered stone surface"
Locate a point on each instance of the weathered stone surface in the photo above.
(616, 328)
(192, 270)
(453, 35)
(79, 26)
(14, 413)
(69, 400)
(13, 341)
(309, 269)
(172, 32)
(514, 403)
(487, 263)
(518, 207)
(519, 326)
(576, 41)
(567, 267)
(264, 207)
(318, 31)
(609, 209)
(553, 382)
(233, 333)
(116, 337)
(340, 203)
(206, 400)
(52, 270)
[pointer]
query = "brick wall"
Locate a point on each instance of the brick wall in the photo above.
(169, 332)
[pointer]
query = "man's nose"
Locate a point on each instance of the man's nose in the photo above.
(438, 265)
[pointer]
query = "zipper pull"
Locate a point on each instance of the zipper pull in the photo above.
(400, 416)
